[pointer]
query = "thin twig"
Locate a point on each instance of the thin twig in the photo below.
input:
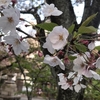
(22, 71)
(18, 29)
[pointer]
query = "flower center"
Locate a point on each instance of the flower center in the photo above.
(54, 60)
(17, 41)
(61, 37)
(10, 19)
(3, 1)
(50, 10)
(82, 65)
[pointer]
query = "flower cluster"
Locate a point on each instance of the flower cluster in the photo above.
(67, 83)
(64, 46)
(8, 22)
(76, 51)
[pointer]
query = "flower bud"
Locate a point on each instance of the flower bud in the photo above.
(40, 54)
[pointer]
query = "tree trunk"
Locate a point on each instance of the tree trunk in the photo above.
(90, 9)
(69, 95)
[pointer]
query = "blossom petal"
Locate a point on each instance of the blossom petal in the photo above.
(98, 63)
(77, 88)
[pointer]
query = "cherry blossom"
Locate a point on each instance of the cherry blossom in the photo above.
(98, 63)
(62, 77)
(91, 46)
(4, 3)
(83, 66)
(63, 82)
(78, 87)
(77, 82)
(95, 75)
(48, 45)
(10, 19)
(73, 80)
(49, 10)
(54, 61)
(79, 64)
(17, 44)
(75, 77)
(58, 37)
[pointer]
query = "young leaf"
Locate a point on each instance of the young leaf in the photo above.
(97, 47)
(80, 47)
(89, 29)
(72, 57)
(47, 26)
(89, 19)
(71, 28)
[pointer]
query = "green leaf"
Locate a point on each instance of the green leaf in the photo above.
(72, 57)
(71, 28)
(89, 29)
(81, 47)
(97, 47)
(89, 19)
(47, 26)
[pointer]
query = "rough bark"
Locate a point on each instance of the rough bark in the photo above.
(92, 8)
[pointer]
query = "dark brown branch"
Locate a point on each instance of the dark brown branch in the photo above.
(22, 72)
(28, 36)
(32, 11)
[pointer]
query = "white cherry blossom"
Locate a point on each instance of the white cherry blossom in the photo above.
(98, 63)
(71, 75)
(76, 77)
(95, 75)
(48, 45)
(62, 77)
(49, 10)
(65, 85)
(78, 87)
(63, 82)
(58, 37)
(17, 44)
(54, 61)
(91, 46)
(79, 64)
(9, 21)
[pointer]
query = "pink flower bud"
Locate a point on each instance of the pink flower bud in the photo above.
(40, 54)
(66, 60)
(14, 1)
(84, 42)
(60, 54)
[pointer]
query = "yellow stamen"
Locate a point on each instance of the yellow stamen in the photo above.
(61, 37)
(82, 65)
(17, 42)
(10, 19)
